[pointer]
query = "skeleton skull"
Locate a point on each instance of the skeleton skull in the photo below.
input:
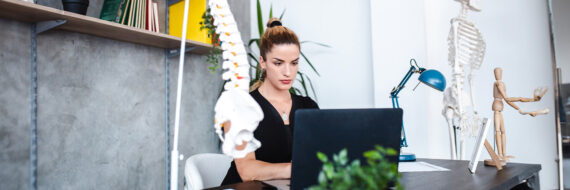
(472, 4)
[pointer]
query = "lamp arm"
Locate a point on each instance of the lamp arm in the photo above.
(396, 90)
(394, 95)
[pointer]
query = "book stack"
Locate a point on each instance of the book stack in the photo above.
(141, 14)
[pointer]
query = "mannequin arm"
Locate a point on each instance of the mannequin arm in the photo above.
(538, 94)
(535, 113)
(504, 94)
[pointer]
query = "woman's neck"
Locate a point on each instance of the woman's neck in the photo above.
(269, 92)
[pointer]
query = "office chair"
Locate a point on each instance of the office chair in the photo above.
(205, 170)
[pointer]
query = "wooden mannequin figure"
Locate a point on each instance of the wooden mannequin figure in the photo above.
(500, 94)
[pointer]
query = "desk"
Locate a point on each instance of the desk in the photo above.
(457, 178)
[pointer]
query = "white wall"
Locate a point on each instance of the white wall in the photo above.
(372, 42)
(517, 37)
(346, 69)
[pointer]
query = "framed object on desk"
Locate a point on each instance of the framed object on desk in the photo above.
(478, 146)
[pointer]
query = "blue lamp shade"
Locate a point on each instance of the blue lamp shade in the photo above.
(433, 79)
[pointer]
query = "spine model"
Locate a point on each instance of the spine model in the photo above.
(235, 107)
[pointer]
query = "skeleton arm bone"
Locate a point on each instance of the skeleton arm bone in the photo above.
(472, 90)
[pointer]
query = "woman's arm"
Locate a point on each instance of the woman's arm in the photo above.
(250, 169)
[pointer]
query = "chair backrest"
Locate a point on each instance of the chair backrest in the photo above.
(206, 170)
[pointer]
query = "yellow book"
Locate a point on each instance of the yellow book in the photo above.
(195, 10)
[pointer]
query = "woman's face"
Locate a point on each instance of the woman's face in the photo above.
(281, 66)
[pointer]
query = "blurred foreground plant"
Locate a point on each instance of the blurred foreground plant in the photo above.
(377, 174)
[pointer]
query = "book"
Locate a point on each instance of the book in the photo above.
(156, 21)
(125, 12)
(150, 17)
(111, 9)
(130, 16)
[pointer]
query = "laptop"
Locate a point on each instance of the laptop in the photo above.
(329, 131)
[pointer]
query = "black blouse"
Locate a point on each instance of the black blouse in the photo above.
(276, 138)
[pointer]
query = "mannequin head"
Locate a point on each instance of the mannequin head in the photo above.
(498, 73)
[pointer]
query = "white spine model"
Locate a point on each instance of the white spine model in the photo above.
(466, 50)
(235, 106)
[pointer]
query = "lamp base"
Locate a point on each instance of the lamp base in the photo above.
(407, 157)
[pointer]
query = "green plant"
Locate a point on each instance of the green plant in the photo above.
(339, 174)
(215, 54)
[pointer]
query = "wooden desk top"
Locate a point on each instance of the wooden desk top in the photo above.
(457, 178)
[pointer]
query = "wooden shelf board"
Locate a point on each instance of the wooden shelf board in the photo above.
(29, 12)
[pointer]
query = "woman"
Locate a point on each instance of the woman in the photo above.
(280, 50)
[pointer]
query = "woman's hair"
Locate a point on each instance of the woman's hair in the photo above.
(275, 34)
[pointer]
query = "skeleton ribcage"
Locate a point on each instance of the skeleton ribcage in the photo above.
(471, 47)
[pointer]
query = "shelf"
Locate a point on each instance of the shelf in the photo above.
(33, 13)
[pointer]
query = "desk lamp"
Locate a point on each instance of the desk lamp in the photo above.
(432, 78)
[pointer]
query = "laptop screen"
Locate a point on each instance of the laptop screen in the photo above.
(329, 131)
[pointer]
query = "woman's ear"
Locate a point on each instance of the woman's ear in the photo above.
(262, 62)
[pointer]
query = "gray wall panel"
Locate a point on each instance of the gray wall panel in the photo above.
(100, 113)
(101, 108)
(14, 105)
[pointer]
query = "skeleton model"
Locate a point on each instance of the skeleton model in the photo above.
(500, 94)
(235, 106)
(466, 50)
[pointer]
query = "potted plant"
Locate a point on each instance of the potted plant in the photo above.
(75, 6)
(378, 173)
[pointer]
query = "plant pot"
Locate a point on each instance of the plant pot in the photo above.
(75, 6)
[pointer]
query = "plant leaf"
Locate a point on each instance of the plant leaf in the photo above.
(322, 157)
(257, 70)
(316, 43)
(322, 178)
(271, 11)
(342, 157)
(391, 152)
(312, 88)
(252, 57)
(259, 19)
(282, 13)
(256, 40)
(329, 170)
(310, 64)
(295, 91)
(303, 83)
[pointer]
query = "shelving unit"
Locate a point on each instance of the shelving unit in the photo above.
(50, 17)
